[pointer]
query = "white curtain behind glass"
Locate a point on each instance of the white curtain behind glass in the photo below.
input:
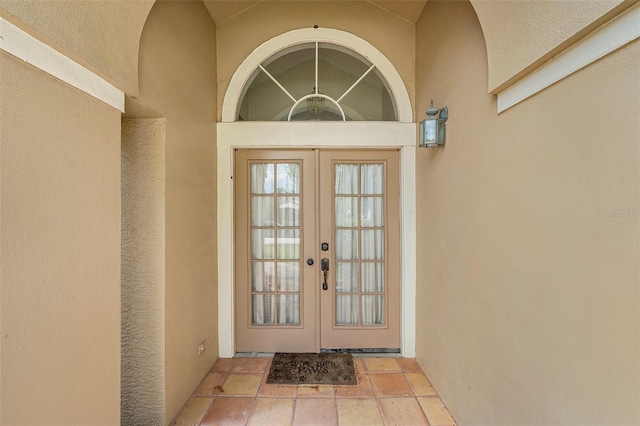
(275, 249)
(359, 252)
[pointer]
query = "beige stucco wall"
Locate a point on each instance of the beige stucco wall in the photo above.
(521, 35)
(177, 79)
(239, 36)
(102, 35)
(143, 273)
(60, 252)
(529, 238)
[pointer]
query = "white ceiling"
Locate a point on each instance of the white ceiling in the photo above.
(221, 10)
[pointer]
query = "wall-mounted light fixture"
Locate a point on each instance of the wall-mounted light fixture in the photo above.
(432, 128)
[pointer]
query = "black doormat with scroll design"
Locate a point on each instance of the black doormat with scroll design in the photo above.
(312, 369)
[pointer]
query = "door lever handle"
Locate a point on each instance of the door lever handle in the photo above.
(324, 266)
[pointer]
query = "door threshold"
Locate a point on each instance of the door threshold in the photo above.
(365, 352)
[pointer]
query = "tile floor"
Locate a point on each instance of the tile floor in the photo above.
(390, 391)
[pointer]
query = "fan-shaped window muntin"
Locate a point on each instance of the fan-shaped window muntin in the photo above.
(316, 81)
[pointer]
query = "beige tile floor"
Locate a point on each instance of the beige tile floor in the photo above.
(390, 391)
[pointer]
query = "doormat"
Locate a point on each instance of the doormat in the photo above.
(312, 369)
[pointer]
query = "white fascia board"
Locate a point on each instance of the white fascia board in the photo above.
(18, 43)
(615, 34)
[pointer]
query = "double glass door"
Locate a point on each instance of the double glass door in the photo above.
(316, 250)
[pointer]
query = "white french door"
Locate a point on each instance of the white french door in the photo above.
(317, 252)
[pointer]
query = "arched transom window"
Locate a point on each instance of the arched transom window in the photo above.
(316, 81)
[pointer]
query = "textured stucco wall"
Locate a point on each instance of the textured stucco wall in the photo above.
(103, 35)
(520, 34)
(178, 80)
(528, 300)
(239, 36)
(143, 276)
(60, 252)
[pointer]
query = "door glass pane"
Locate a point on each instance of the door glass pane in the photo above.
(372, 244)
(262, 211)
(288, 178)
(262, 244)
(373, 310)
(346, 310)
(346, 179)
(346, 277)
(372, 277)
(346, 212)
(346, 245)
(263, 309)
(371, 212)
(262, 276)
(371, 178)
(288, 276)
(262, 178)
(288, 244)
(288, 211)
(289, 309)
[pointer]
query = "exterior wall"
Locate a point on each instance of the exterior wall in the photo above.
(60, 252)
(177, 79)
(527, 296)
(143, 273)
(521, 34)
(103, 35)
(239, 36)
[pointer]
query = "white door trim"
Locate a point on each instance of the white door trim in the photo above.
(264, 135)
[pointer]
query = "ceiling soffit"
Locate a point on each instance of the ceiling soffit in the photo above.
(222, 10)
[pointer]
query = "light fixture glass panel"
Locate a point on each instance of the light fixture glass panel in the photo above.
(346, 245)
(346, 179)
(346, 277)
(263, 276)
(263, 309)
(289, 309)
(288, 211)
(346, 214)
(288, 276)
(346, 310)
(371, 213)
(372, 244)
(373, 310)
(372, 179)
(372, 277)
(262, 178)
(262, 244)
(262, 211)
(288, 244)
(316, 108)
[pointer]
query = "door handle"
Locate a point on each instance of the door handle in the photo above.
(324, 266)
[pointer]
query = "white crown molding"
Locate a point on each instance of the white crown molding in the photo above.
(616, 33)
(18, 43)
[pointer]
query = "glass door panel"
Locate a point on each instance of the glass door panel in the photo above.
(274, 202)
(359, 212)
(275, 240)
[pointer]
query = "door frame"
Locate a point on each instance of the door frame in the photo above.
(348, 135)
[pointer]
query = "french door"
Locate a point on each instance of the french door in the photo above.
(317, 253)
